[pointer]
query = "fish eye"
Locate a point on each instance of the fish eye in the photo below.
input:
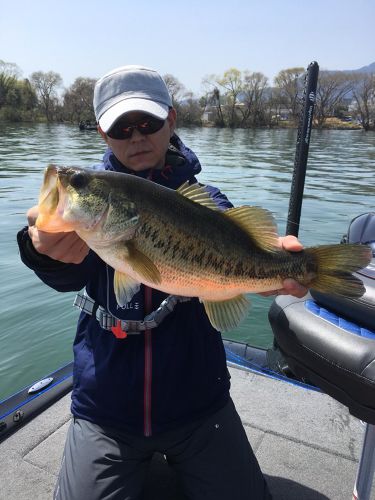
(78, 180)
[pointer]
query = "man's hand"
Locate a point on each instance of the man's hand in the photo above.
(290, 286)
(65, 247)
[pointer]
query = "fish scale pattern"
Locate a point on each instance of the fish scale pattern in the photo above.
(340, 322)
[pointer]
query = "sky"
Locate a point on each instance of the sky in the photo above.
(190, 40)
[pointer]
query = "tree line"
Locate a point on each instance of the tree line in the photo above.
(235, 99)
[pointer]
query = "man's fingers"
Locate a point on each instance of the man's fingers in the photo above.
(32, 215)
(292, 287)
(273, 292)
(71, 249)
(290, 243)
(65, 247)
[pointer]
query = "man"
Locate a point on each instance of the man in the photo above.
(159, 384)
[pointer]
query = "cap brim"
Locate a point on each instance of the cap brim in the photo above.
(143, 105)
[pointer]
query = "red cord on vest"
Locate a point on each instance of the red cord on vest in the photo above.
(118, 332)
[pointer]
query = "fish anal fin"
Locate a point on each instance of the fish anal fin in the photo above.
(227, 314)
(197, 193)
(125, 288)
(258, 223)
(142, 264)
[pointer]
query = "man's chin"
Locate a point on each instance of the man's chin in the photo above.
(142, 162)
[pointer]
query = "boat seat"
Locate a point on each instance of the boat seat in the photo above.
(329, 342)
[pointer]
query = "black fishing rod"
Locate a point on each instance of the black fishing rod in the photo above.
(302, 149)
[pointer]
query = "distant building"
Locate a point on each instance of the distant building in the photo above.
(209, 114)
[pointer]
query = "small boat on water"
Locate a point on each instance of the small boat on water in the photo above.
(87, 125)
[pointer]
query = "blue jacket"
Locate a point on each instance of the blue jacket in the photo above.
(156, 380)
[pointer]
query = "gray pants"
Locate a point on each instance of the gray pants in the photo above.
(212, 458)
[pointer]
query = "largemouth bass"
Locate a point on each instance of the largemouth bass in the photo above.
(180, 243)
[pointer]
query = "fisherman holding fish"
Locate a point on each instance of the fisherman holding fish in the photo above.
(165, 264)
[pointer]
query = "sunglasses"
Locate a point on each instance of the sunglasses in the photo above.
(145, 126)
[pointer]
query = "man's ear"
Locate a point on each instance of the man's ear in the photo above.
(172, 118)
(103, 134)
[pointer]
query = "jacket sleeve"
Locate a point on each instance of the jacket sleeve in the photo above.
(219, 198)
(58, 275)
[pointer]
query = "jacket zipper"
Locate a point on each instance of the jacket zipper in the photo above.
(147, 428)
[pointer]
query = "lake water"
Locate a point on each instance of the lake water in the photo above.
(251, 167)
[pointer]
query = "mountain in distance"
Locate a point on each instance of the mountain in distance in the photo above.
(370, 68)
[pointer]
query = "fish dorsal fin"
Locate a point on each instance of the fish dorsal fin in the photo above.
(227, 314)
(197, 193)
(258, 223)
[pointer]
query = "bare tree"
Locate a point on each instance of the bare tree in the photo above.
(78, 100)
(46, 85)
(290, 84)
(272, 105)
(190, 111)
(253, 87)
(223, 93)
(364, 97)
(176, 89)
(231, 82)
(237, 97)
(333, 86)
(180, 98)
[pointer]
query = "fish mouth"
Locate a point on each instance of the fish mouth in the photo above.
(49, 193)
(53, 200)
(56, 180)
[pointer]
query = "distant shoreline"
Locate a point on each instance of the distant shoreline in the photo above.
(330, 124)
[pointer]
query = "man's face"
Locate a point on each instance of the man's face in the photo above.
(141, 152)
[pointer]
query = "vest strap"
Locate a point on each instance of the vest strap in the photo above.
(132, 327)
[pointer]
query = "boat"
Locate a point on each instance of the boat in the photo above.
(87, 125)
(21, 407)
(294, 422)
(26, 404)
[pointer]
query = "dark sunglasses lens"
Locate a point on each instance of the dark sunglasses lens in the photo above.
(150, 126)
(122, 130)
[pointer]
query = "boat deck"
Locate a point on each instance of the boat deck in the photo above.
(307, 444)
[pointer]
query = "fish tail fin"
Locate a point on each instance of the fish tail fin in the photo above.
(335, 265)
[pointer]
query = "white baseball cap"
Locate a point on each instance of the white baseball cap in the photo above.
(130, 88)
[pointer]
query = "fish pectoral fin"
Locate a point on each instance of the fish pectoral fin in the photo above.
(227, 314)
(125, 288)
(258, 223)
(142, 265)
(197, 193)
